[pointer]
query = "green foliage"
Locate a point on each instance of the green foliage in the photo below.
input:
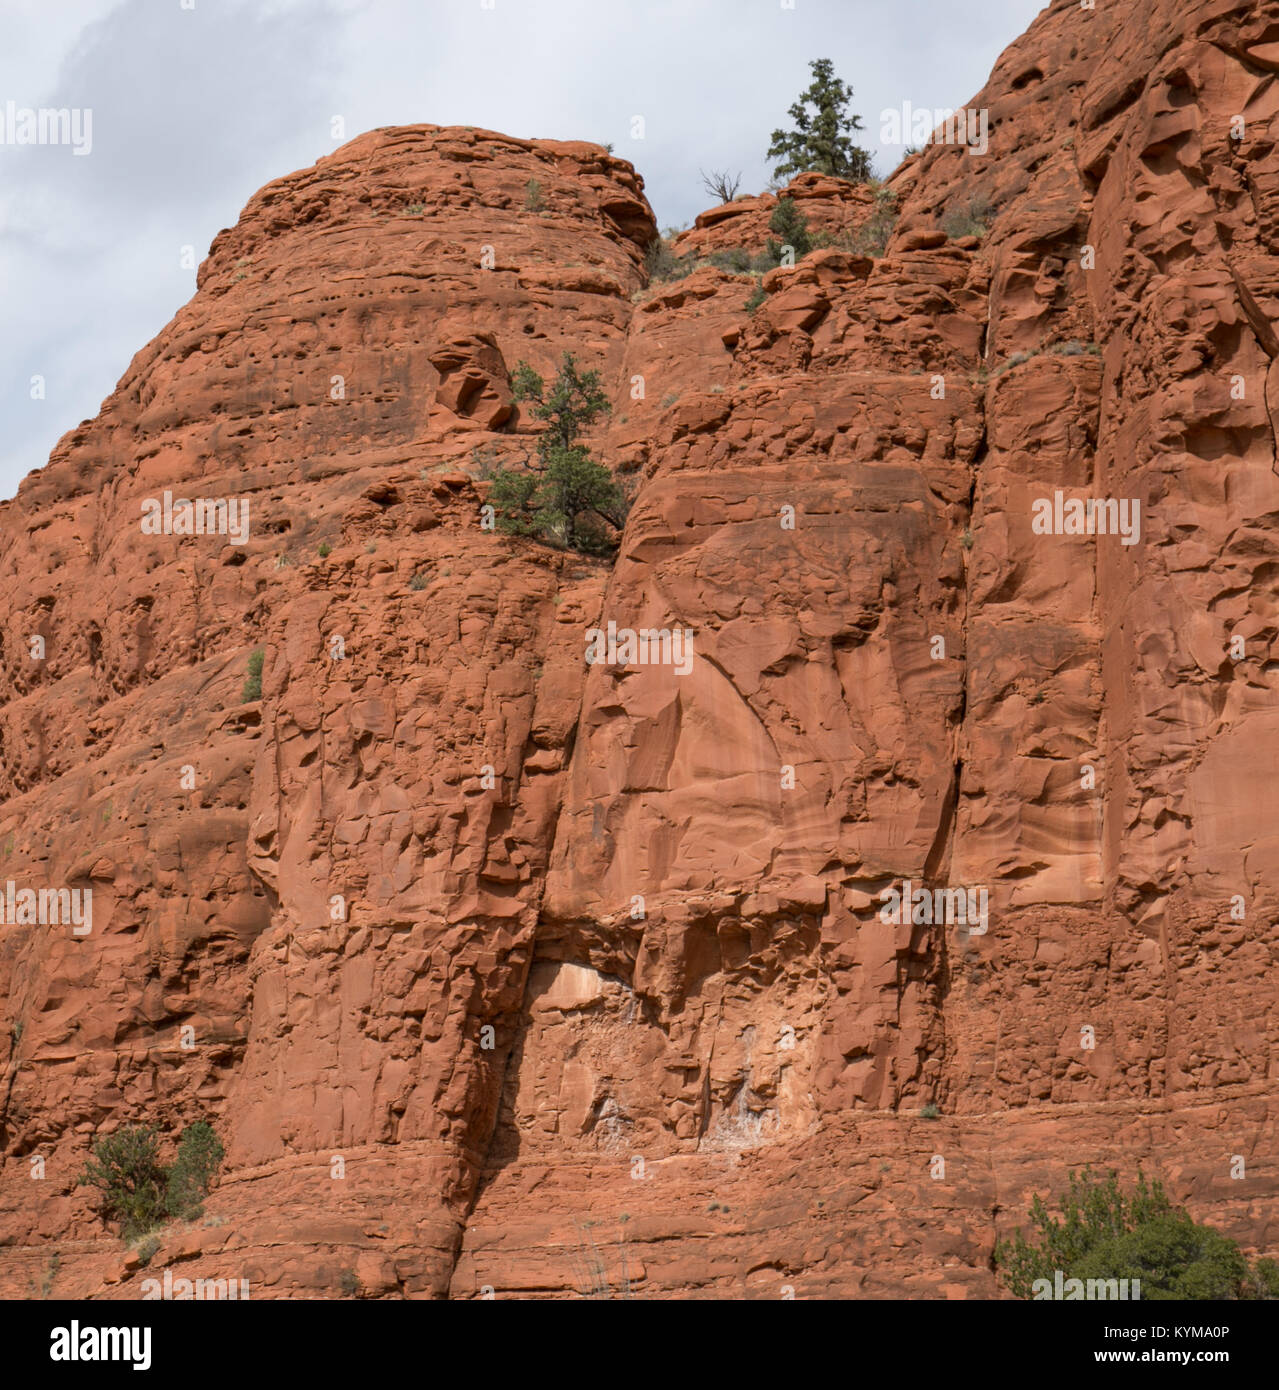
(736, 259)
(757, 296)
(1074, 348)
(533, 196)
(253, 681)
(1104, 1233)
(324, 549)
(661, 263)
(565, 495)
(131, 1181)
(419, 581)
(821, 140)
(968, 219)
(138, 1191)
(871, 238)
(147, 1248)
(931, 1112)
(792, 226)
(348, 1283)
(486, 460)
(575, 400)
(526, 384)
(200, 1152)
(564, 501)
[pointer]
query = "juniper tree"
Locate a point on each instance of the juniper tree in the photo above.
(1105, 1234)
(564, 495)
(792, 226)
(131, 1180)
(821, 140)
(200, 1152)
(139, 1191)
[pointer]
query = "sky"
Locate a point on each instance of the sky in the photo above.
(192, 105)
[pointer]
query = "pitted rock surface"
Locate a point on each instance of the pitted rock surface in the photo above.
(608, 1003)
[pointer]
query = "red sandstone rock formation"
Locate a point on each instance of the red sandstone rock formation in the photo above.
(607, 1002)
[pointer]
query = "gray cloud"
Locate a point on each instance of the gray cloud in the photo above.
(194, 109)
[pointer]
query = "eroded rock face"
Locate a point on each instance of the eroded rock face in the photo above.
(577, 973)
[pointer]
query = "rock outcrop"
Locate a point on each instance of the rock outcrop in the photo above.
(504, 973)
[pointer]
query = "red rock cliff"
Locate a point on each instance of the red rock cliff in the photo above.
(612, 1004)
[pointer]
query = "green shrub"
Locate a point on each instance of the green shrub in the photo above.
(200, 1152)
(791, 226)
(253, 681)
(734, 258)
(661, 263)
(130, 1179)
(565, 495)
(969, 219)
(930, 1112)
(533, 196)
(757, 296)
(486, 460)
(872, 237)
(147, 1248)
(1074, 348)
(325, 549)
(1105, 1234)
(348, 1283)
(419, 581)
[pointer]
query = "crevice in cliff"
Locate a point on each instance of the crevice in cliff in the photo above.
(941, 853)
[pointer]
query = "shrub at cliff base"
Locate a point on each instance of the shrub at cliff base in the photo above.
(1103, 1234)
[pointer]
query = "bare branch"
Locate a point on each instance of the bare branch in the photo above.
(721, 184)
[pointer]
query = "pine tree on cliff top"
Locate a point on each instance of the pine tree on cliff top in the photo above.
(821, 140)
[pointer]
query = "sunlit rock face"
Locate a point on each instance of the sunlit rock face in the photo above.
(507, 971)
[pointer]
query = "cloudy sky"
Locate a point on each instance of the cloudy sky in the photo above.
(197, 103)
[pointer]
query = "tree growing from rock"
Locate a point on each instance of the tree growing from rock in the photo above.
(200, 1152)
(131, 1180)
(140, 1192)
(822, 138)
(564, 496)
